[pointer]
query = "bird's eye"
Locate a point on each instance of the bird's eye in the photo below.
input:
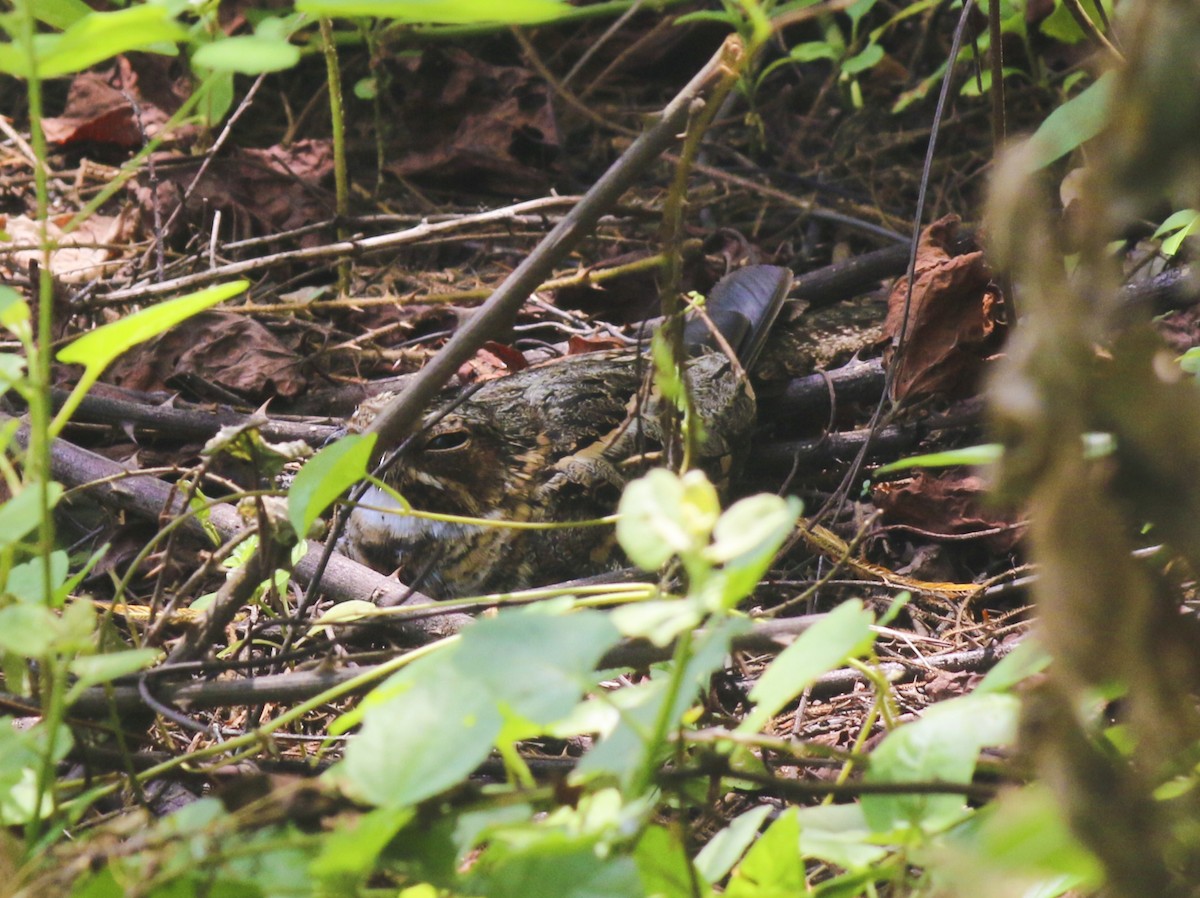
(451, 439)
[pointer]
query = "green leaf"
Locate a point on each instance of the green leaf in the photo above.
(96, 349)
(29, 631)
(626, 745)
(26, 582)
(725, 848)
(1073, 123)
(1061, 26)
(773, 866)
(1190, 360)
(14, 312)
(841, 634)
(12, 371)
(749, 524)
(1180, 226)
(664, 865)
(663, 514)
(554, 866)
(943, 746)
(811, 51)
(441, 12)
(60, 14)
(96, 37)
(838, 834)
(985, 454)
(349, 852)
(1021, 835)
(248, 54)
(22, 514)
(871, 55)
(745, 541)
(326, 476)
(429, 726)
(1027, 659)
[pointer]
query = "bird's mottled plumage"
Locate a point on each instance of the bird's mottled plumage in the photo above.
(555, 442)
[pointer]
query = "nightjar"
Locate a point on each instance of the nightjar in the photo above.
(552, 443)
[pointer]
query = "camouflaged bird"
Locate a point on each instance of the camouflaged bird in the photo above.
(555, 442)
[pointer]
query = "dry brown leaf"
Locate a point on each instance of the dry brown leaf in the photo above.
(949, 504)
(954, 319)
(492, 126)
(231, 351)
(87, 253)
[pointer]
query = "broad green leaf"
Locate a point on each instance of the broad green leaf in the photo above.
(665, 867)
(841, 634)
(745, 541)
(725, 848)
(1060, 25)
(26, 582)
(326, 476)
(1190, 360)
(542, 686)
(660, 622)
(663, 514)
(433, 731)
(554, 866)
(22, 514)
(248, 54)
(349, 852)
(29, 631)
(1027, 659)
(61, 14)
(12, 371)
(14, 313)
(1073, 123)
(442, 715)
(96, 37)
(858, 9)
(749, 524)
(96, 349)
(773, 865)
(838, 834)
(441, 12)
(943, 746)
(1022, 835)
(625, 747)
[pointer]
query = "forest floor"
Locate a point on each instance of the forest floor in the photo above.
(462, 154)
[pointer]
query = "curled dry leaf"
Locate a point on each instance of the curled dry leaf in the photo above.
(101, 106)
(89, 252)
(954, 319)
(494, 125)
(232, 351)
(258, 190)
(951, 504)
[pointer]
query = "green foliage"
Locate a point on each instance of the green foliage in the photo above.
(1073, 123)
(1176, 229)
(93, 38)
(325, 477)
(442, 12)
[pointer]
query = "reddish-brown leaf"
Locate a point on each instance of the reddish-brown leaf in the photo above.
(952, 504)
(954, 319)
(231, 351)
